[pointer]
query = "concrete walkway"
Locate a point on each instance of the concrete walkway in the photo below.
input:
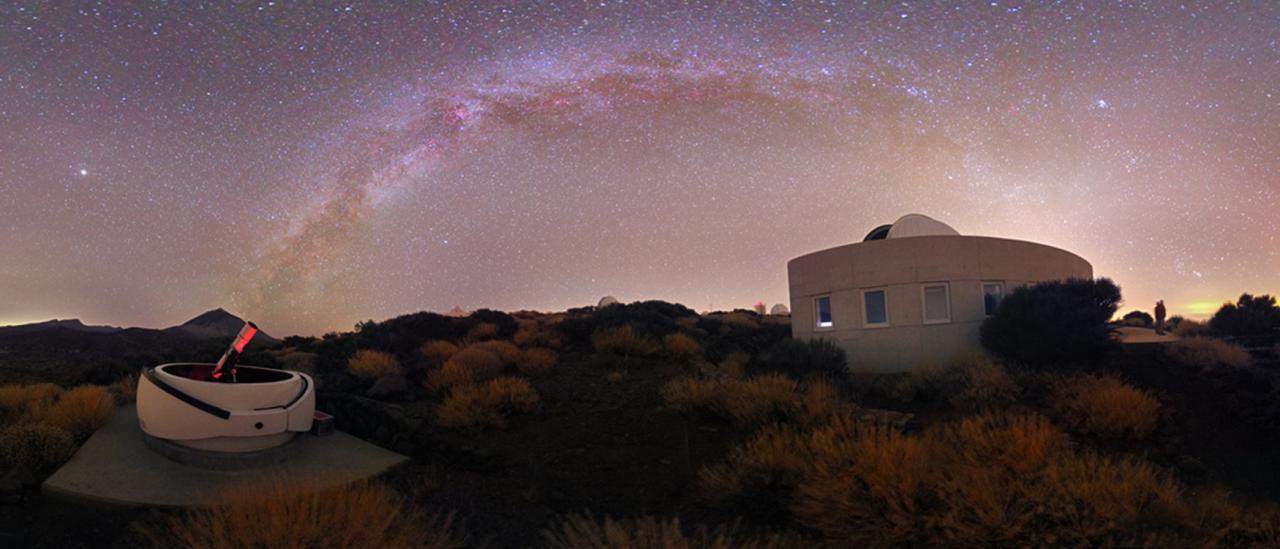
(1133, 335)
(115, 466)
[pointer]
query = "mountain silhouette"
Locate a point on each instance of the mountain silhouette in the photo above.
(73, 324)
(217, 323)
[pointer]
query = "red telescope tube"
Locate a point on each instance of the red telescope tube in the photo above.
(225, 371)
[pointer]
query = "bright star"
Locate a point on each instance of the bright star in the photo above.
(84, 171)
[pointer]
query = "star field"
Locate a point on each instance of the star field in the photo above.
(309, 166)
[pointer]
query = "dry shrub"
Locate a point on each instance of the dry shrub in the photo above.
(689, 394)
(739, 319)
(680, 346)
(734, 365)
(473, 406)
(481, 331)
(526, 332)
(1207, 353)
(982, 385)
(82, 410)
(772, 462)
(373, 364)
(819, 401)
(125, 389)
(284, 514)
(868, 486)
(970, 383)
(470, 365)
(536, 361)
(38, 447)
(299, 361)
(438, 350)
(625, 341)
(510, 354)
(1020, 443)
(27, 403)
(1104, 407)
(581, 532)
(753, 400)
(1189, 328)
(689, 323)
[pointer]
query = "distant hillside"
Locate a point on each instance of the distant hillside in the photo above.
(68, 351)
(216, 323)
(73, 324)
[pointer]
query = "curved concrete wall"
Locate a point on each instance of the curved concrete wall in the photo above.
(902, 266)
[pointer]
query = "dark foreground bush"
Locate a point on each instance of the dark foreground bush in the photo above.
(1249, 315)
(1054, 322)
(803, 359)
(579, 532)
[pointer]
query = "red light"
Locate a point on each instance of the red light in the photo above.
(245, 335)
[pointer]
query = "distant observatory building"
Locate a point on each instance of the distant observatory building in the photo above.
(779, 309)
(606, 301)
(915, 292)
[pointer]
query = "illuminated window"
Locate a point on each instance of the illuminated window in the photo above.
(937, 303)
(875, 308)
(822, 311)
(992, 293)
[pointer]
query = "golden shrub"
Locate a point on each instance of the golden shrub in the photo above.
(373, 364)
(1021, 443)
(625, 341)
(290, 514)
(739, 319)
(1207, 353)
(689, 393)
(1110, 502)
(526, 332)
(438, 350)
(734, 365)
(1104, 407)
(125, 389)
(82, 410)
(680, 346)
(754, 400)
(471, 364)
(483, 330)
(647, 532)
(775, 458)
(39, 447)
(510, 354)
(819, 402)
(981, 384)
(536, 361)
(867, 486)
(27, 403)
(473, 406)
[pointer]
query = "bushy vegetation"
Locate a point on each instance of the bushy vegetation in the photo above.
(1105, 407)
(1207, 353)
(38, 447)
(647, 532)
(373, 364)
(804, 359)
(970, 383)
(755, 400)
(476, 406)
(1249, 315)
(680, 347)
(283, 514)
(470, 365)
(1140, 319)
(624, 341)
(82, 410)
(1054, 322)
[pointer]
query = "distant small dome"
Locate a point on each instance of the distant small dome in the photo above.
(919, 225)
(607, 301)
(457, 311)
(779, 309)
(878, 233)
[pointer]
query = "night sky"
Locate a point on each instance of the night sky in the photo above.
(312, 166)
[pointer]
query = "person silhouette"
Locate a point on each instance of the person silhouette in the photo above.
(1160, 311)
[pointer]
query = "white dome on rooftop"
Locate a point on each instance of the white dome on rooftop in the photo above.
(919, 225)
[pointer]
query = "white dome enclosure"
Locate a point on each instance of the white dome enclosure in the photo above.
(263, 409)
(915, 292)
(779, 309)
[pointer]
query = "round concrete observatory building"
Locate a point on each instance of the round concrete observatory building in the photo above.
(915, 292)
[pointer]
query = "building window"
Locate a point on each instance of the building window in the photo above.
(875, 308)
(822, 310)
(937, 303)
(992, 293)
